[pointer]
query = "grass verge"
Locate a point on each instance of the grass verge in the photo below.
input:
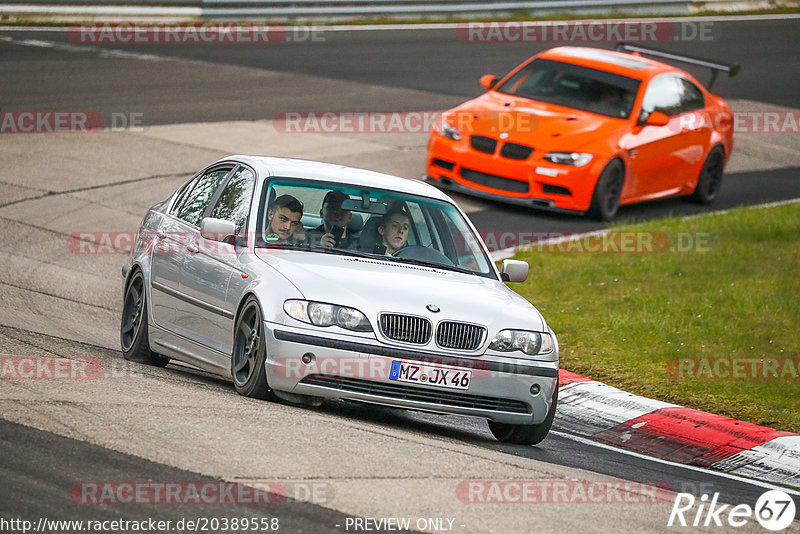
(716, 288)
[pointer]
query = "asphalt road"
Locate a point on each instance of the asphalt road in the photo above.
(59, 185)
(42, 469)
(377, 70)
(435, 61)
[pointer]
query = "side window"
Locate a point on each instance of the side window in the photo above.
(662, 95)
(234, 202)
(691, 96)
(182, 195)
(198, 194)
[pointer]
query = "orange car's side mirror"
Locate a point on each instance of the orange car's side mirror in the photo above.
(488, 80)
(656, 118)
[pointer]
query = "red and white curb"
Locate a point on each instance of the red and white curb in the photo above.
(605, 413)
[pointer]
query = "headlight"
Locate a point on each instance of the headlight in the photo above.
(445, 130)
(576, 159)
(321, 314)
(531, 343)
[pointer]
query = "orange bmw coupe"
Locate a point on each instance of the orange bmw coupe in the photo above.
(584, 129)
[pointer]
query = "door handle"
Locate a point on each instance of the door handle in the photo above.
(192, 248)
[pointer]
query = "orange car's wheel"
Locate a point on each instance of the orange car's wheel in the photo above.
(709, 182)
(607, 192)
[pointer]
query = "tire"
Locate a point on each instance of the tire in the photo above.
(607, 192)
(709, 182)
(525, 434)
(250, 353)
(134, 339)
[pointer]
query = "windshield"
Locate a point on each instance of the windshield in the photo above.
(574, 86)
(329, 218)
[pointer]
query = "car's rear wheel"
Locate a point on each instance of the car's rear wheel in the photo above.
(250, 353)
(525, 434)
(133, 336)
(607, 192)
(709, 182)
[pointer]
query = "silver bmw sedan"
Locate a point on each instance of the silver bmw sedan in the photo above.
(304, 281)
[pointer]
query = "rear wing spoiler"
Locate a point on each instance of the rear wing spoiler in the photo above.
(716, 66)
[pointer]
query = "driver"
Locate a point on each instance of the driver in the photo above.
(393, 230)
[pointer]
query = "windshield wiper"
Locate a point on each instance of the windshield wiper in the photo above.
(359, 254)
(320, 248)
(431, 264)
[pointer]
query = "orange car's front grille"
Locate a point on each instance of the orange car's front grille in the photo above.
(516, 151)
(495, 182)
(487, 145)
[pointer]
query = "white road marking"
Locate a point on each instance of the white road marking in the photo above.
(753, 482)
(106, 53)
(593, 407)
(778, 457)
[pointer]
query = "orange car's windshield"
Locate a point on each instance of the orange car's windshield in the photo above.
(574, 86)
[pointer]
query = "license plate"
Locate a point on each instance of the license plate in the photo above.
(440, 376)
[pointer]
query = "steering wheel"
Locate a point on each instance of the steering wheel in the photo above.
(416, 252)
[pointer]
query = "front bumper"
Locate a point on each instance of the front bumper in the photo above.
(533, 182)
(358, 369)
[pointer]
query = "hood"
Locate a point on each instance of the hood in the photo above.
(541, 125)
(375, 286)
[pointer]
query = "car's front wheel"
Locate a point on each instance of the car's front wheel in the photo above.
(709, 182)
(250, 354)
(525, 434)
(133, 336)
(607, 192)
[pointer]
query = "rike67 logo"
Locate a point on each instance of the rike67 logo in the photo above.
(774, 510)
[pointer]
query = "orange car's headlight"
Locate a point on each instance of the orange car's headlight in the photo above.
(575, 159)
(446, 130)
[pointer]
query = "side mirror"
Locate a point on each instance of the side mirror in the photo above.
(488, 81)
(514, 271)
(656, 118)
(216, 229)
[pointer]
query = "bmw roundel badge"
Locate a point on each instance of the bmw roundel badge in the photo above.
(433, 308)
